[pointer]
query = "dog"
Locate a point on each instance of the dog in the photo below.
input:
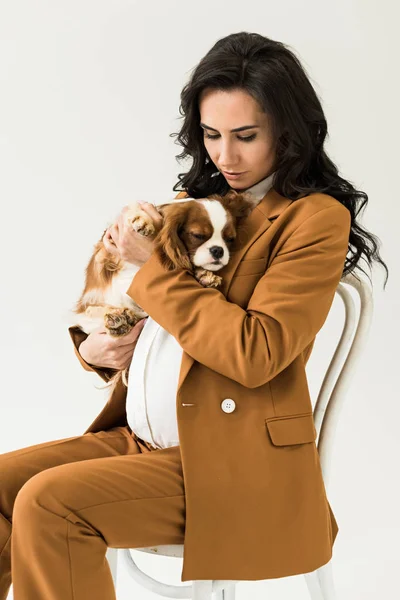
(196, 234)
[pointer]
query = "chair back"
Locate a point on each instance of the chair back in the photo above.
(343, 365)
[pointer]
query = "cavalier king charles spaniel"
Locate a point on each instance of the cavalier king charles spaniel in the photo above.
(196, 234)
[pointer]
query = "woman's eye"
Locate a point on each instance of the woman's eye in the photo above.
(244, 139)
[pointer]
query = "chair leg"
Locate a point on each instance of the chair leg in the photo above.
(112, 557)
(229, 593)
(320, 583)
(202, 590)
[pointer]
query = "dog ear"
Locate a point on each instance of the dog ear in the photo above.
(239, 204)
(104, 261)
(168, 244)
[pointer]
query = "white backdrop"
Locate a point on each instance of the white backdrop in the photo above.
(89, 93)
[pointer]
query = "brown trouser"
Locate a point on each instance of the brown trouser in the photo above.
(66, 501)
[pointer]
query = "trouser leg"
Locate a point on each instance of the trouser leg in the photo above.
(66, 516)
(19, 466)
(5, 559)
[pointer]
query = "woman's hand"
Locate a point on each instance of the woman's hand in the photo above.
(102, 350)
(128, 244)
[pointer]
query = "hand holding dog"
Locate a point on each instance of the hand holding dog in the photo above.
(102, 350)
(128, 244)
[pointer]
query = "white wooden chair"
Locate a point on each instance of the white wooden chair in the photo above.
(326, 416)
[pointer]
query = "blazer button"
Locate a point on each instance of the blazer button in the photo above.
(228, 405)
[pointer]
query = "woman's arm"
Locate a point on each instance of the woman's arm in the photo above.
(78, 336)
(288, 307)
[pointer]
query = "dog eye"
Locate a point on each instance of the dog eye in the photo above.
(230, 239)
(198, 236)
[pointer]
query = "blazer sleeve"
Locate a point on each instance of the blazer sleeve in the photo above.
(288, 307)
(78, 336)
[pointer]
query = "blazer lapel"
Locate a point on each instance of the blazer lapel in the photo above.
(249, 229)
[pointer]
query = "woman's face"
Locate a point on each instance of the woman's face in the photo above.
(254, 157)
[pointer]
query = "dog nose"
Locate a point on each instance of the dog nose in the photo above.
(216, 251)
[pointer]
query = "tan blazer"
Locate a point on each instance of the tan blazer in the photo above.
(256, 505)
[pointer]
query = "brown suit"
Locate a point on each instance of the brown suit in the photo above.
(256, 505)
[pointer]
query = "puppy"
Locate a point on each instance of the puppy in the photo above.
(196, 234)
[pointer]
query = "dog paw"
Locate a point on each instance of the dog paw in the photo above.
(207, 278)
(140, 221)
(119, 321)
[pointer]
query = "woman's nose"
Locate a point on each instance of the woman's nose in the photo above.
(227, 157)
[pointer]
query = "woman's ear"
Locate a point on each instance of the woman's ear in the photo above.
(168, 245)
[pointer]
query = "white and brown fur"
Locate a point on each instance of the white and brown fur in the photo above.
(104, 302)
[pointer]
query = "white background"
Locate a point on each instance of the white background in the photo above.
(89, 95)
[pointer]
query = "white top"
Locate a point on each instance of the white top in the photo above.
(154, 374)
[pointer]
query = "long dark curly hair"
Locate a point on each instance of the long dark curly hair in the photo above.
(271, 73)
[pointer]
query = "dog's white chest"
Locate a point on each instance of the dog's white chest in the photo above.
(116, 294)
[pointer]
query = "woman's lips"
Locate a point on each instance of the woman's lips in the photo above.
(233, 175)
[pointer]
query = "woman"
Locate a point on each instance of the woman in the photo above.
(243, 489)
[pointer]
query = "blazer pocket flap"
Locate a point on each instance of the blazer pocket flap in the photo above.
(251, 266)
(298, 429)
